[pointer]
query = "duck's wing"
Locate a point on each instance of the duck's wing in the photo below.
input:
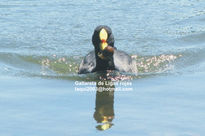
(123, 62)
(88, 64)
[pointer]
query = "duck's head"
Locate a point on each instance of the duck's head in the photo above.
(103, 41)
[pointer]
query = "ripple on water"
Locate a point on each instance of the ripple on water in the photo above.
(64, 67)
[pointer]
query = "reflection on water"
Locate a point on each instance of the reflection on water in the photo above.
(49, 38)
(104, 105)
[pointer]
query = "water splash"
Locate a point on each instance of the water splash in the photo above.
(145, 65)
(155, 64)
(60, 65)
(64, 67)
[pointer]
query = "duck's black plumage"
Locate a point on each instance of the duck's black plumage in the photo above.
(108, 58)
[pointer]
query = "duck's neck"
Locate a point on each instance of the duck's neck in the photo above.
(104, 64)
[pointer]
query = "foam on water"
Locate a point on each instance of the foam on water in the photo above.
(67, 67)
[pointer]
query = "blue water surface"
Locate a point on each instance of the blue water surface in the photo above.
(42, 43)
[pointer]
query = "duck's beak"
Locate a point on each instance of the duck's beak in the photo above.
(104, 47)
(104, 126)
(103, 38)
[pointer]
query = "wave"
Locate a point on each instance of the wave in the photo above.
(66, 67)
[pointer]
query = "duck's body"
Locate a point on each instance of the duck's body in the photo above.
(108, 58)
(121, 62)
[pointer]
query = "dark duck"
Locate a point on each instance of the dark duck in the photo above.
(105, 56)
